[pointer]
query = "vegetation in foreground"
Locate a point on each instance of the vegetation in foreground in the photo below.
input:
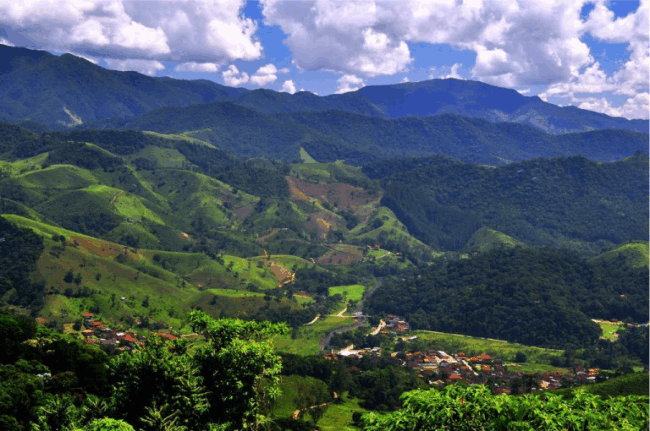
(471, 409)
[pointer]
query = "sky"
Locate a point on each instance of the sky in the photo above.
(593, 54)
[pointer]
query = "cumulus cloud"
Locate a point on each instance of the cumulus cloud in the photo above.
(517, 44)
(193, 66)
(348, 83)
(284, 70)
(147, 67)
(233, 77)
(345, 37)
(633, 29)
(446, 72)
(185, 31)
(634, 107)
(265, 75)
(288, 87)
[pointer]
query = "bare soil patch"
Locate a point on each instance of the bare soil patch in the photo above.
(343, 196)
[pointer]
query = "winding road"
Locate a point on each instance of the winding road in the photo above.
(361, 322)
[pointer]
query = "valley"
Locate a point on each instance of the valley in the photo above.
(345, 250)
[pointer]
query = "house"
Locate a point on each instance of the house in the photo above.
(88, 316)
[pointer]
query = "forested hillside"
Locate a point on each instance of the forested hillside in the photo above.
(37, 87)
(534, 296)
(563, 202)
(359, 140)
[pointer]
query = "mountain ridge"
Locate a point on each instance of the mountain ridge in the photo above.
(39, 86)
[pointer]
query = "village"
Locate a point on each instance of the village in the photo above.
(438, 368)
(97, 333)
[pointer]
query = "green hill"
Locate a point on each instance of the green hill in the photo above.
(486, 239)
(634, 254)
(572, 202)
(116, 282)
(541, 297)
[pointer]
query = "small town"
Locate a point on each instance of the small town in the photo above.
(439, 368)
(96, 332)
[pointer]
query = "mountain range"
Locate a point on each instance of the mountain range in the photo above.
(68, 91)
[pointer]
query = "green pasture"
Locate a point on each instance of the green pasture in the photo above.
(309, 336)
(610, 329)
(339, 416)
(306, 158)
(352, 292)
(498, 348)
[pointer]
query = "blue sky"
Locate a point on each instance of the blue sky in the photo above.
(590, 54)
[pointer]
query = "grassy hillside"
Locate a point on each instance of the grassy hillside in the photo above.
(485, 239)
(629, 384)
(635, 255)
(118, 283)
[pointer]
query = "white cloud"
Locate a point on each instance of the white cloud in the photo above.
(233, 77)
(147, 67)
(184, 31)
(517, 44)
(288, 86)
(193, 66)
(348, 83)
(265, 75)
(523, 91)
(5, 42)
(445, 72)
(345, 37)
(284, 70)
(86, 57)
(634, 107)
(406, 79)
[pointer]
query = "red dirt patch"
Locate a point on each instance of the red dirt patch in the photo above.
(345, 196)
(341, 254)
(281, 272)
(322, 222)
(101, 248)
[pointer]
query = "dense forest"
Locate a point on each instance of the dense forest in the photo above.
(563, 202)
(360, 140)
(539, 297)
(55, 383)
(19, 252)
(468, 409)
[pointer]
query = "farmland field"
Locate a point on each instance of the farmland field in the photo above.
(309, 336)
(499, 348)
(352, 292)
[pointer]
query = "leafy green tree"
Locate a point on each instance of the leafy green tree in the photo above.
(108, 424)
(154, 382)
(474, 408)
(239, 367)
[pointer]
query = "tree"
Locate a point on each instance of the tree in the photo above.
(521, 357)
(239, 366)
(474, 408)
(153, 380)
(108, 424)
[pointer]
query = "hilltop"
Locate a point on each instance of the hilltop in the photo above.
(68, 91)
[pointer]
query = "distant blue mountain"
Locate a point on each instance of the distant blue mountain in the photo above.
(64, 91)
(480, 100)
